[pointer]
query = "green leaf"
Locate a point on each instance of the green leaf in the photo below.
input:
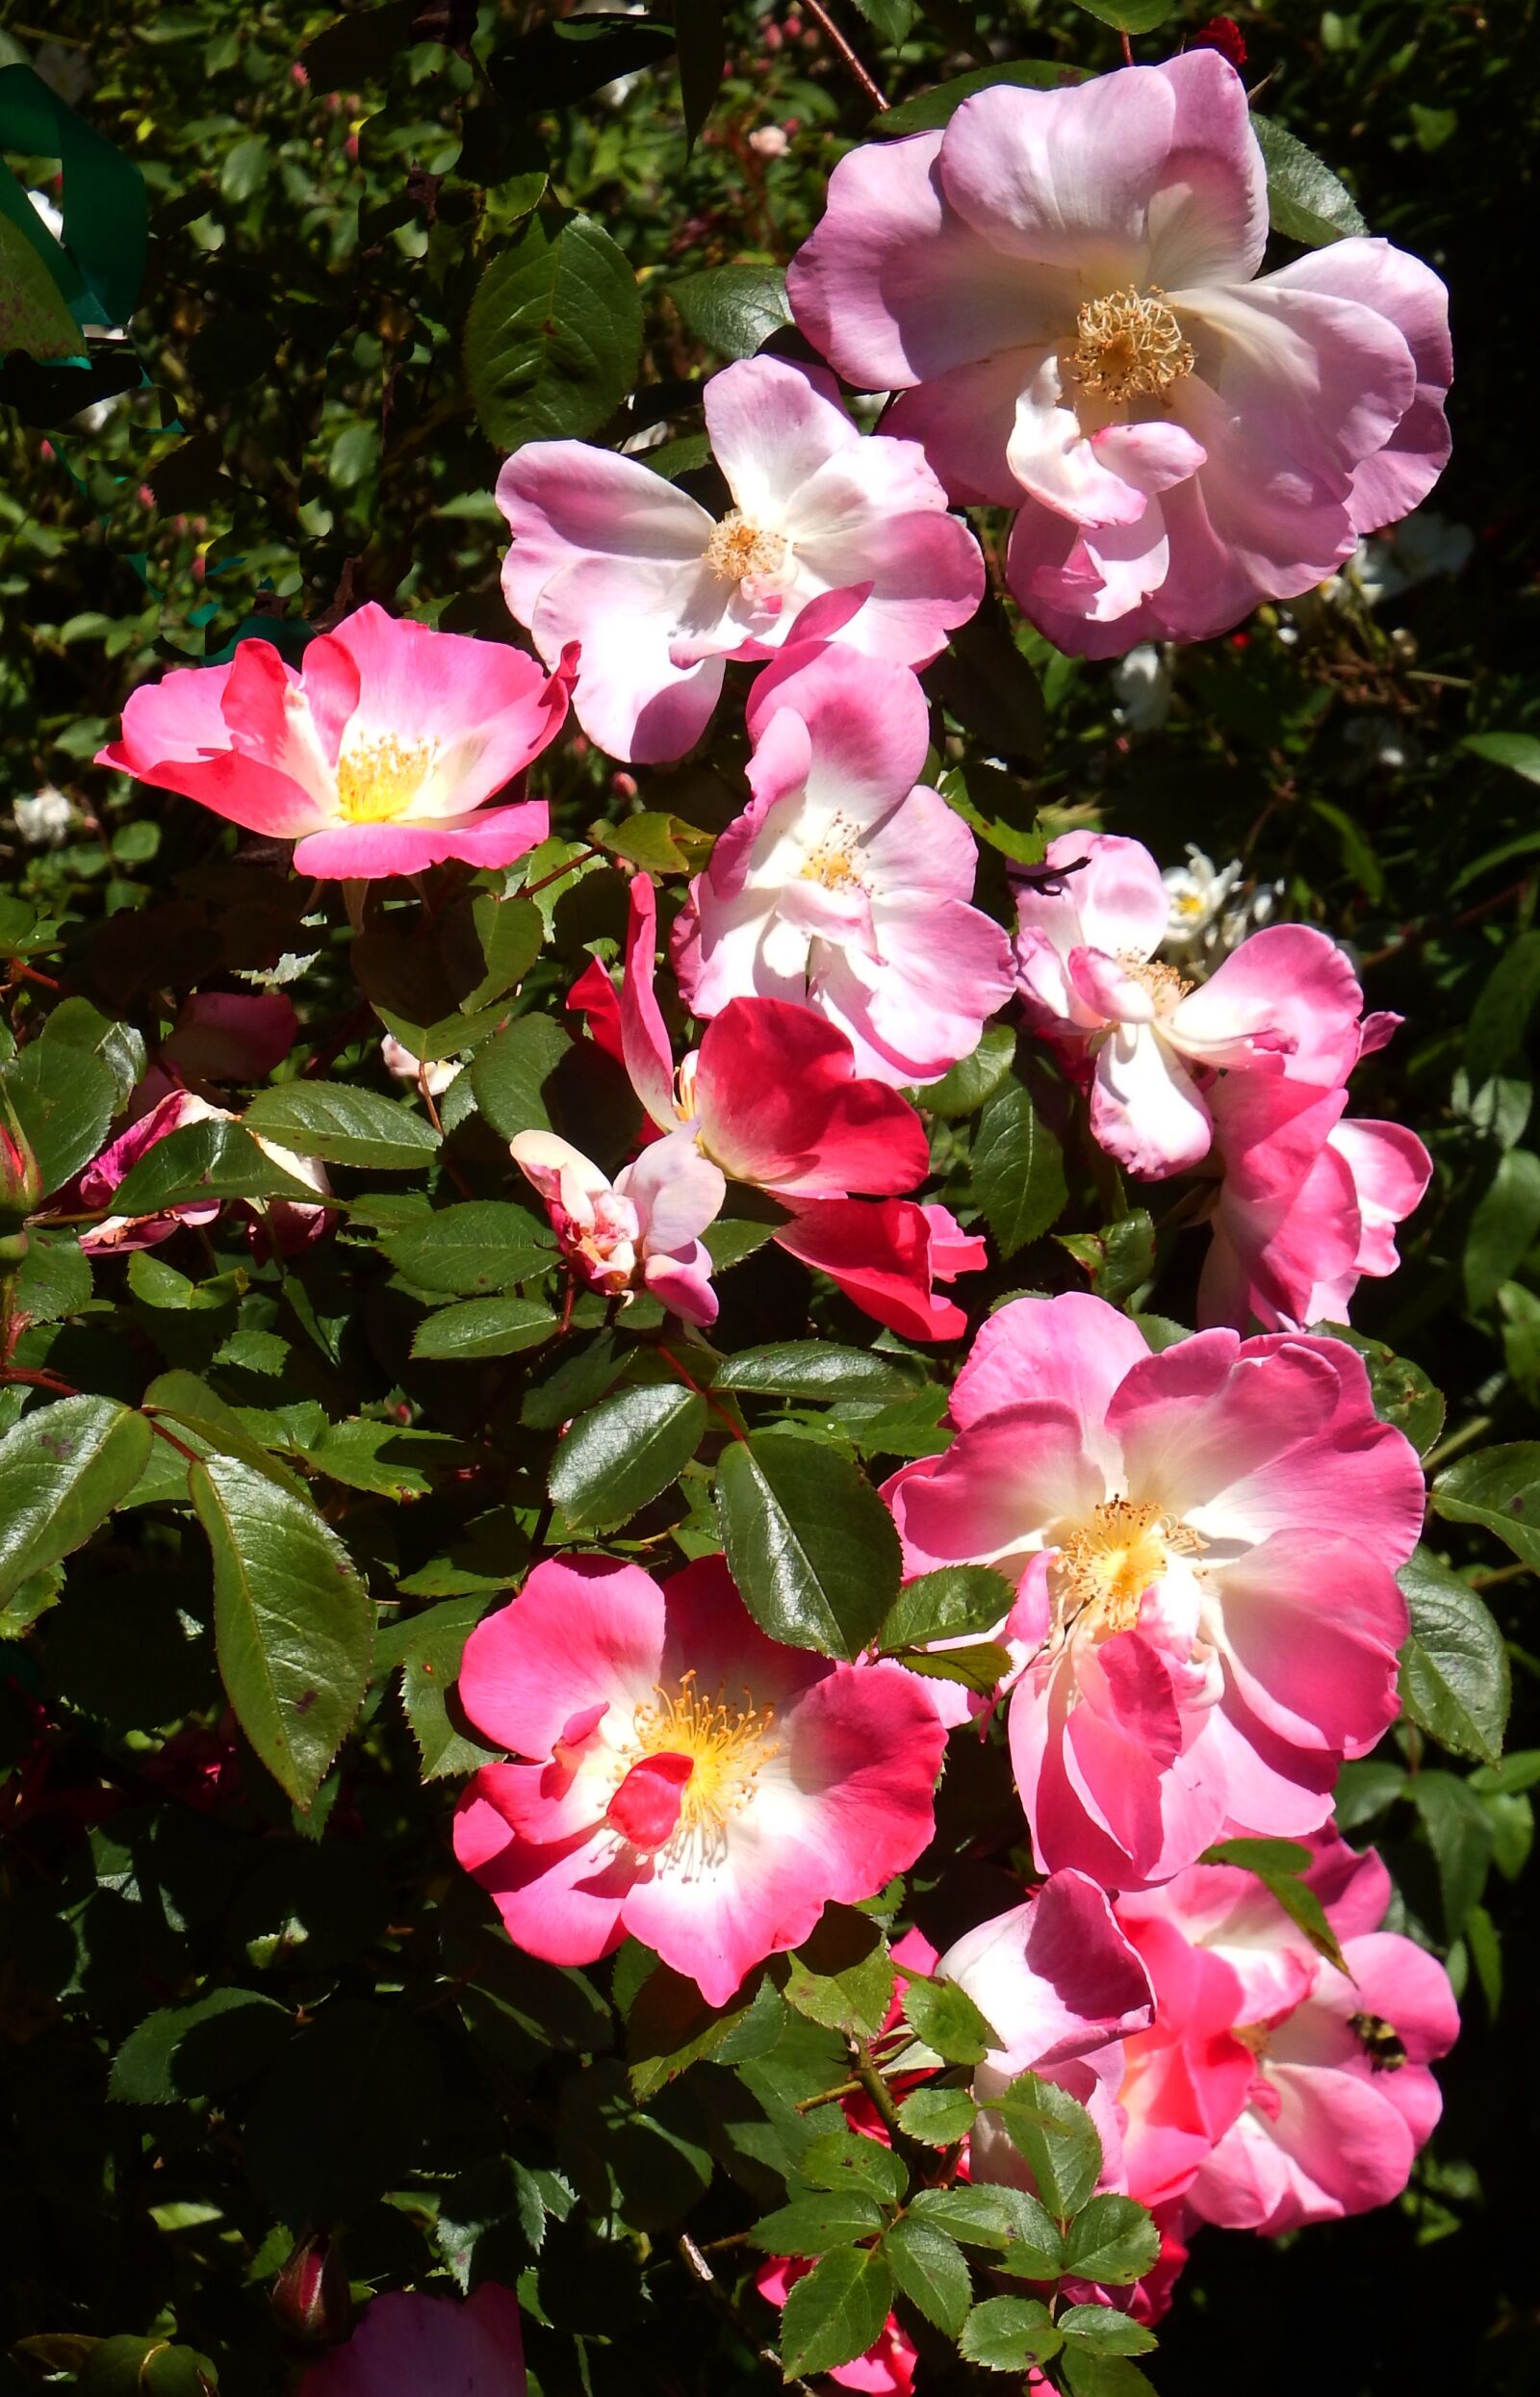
(64, 1099)
(1113, 2240)
(484, 1327)
(293, 1623)
(209, 1160)
(732, 309)
(1519, 752)
(622, 1454)
(937, 106)
(1306, 201)
(1129, 16)
(1456, 1683)
(198, 2050)
(429, 1649)
(1057, 2139)
(1037, 2247)
(1102, 2329)
(1401, 1392)
(976, 2216)
(342, 1125)
(841, 2160)
(947, 1605)
(157, 1284)
(1118, 1259)
(938, 2117)
(554, 334)
(946, 2019)
(1278, 1864)
(203, 1418)
(1018, 1174)
(1007, 2333)
(63, 1470)
(1501, 1014)
(892, 20)
(580, 1379)
(1502, 1228)
(34, 316)
(843, 1977)
(1498, 1487)
(509, 1075)
(979, 1667)
(814, 1369)
(811, 2225)
(671, 2027)
(472, 1249)
(1089, 2374)
(964, 1091)
(703, 51)
(930, 2271)
(836, 2312)
(809, 1542)
(1461, 1835)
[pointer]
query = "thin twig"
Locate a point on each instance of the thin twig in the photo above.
(871, 90)
(690, 1383)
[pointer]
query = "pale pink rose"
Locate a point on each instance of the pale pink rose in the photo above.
(1209, 1538)
(1148, 1042)
(769, 141)
(1308, 1204)
(887, 2367)
(772, 1097)
(843, 886)
(661, 594)
(373, 756)
(1060, 287)
(435, 1078)
(643, 1230)
(691, 1783)
(1340, 2097)
(287, 1224)
(413, 2346)
(1062, 1987)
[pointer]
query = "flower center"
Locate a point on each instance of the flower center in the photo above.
(831, 860)
(1108, 1563)
(1129, 344)
(737, 549)
(725, 1746)
(1165, 985)
(377, 780)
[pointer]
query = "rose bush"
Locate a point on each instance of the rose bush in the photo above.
(764, 1501)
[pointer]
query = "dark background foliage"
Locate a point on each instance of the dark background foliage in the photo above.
(306, 414)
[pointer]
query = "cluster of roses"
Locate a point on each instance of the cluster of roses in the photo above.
(1060, 288)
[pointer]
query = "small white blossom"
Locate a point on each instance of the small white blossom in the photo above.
(46, 820)
(769, 141)
(1141, 688)
(1204, 927)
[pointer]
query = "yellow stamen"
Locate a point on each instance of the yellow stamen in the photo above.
(1130, 344)
(736, 550)
(1165, 985)
(377, 780)
(833, 867)
(727, 1746)
(1109, 1562)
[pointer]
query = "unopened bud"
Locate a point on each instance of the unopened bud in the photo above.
(22, 1191)
(310, 2296)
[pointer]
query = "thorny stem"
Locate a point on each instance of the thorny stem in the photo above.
(690, 1383)
(584, 858)
(37, 1379)
(872, 90)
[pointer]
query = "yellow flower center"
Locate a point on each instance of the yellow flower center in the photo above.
(833, 867)
(1108, 1563)
(1129, 345)
(1165, 985)
(377, 780)
(736, 550)
(727, 1747)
